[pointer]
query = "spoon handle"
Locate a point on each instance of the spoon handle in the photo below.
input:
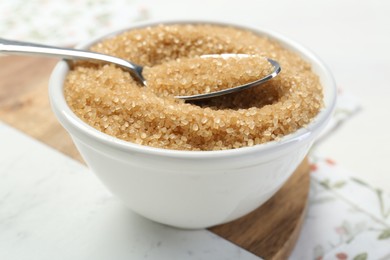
(28, 48)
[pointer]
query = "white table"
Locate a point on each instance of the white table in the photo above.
(52, 207)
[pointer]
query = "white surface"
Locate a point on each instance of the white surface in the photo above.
(213, 187)
(52, 207)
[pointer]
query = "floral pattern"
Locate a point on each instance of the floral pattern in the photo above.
(347, 217)
(64, 22)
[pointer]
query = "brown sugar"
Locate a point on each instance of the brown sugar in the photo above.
(110, 100)
(205, 74)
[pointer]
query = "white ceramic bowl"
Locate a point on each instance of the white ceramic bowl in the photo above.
(193, 189)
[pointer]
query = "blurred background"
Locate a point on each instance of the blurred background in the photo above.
(352, 37)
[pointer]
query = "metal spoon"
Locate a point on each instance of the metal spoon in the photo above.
(27, 48)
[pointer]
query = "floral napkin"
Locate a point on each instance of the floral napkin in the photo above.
(66, 23)
(346, 219)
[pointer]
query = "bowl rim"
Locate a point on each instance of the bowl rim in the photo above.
(66, 115)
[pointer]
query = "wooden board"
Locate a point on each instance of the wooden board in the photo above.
(270, 231)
